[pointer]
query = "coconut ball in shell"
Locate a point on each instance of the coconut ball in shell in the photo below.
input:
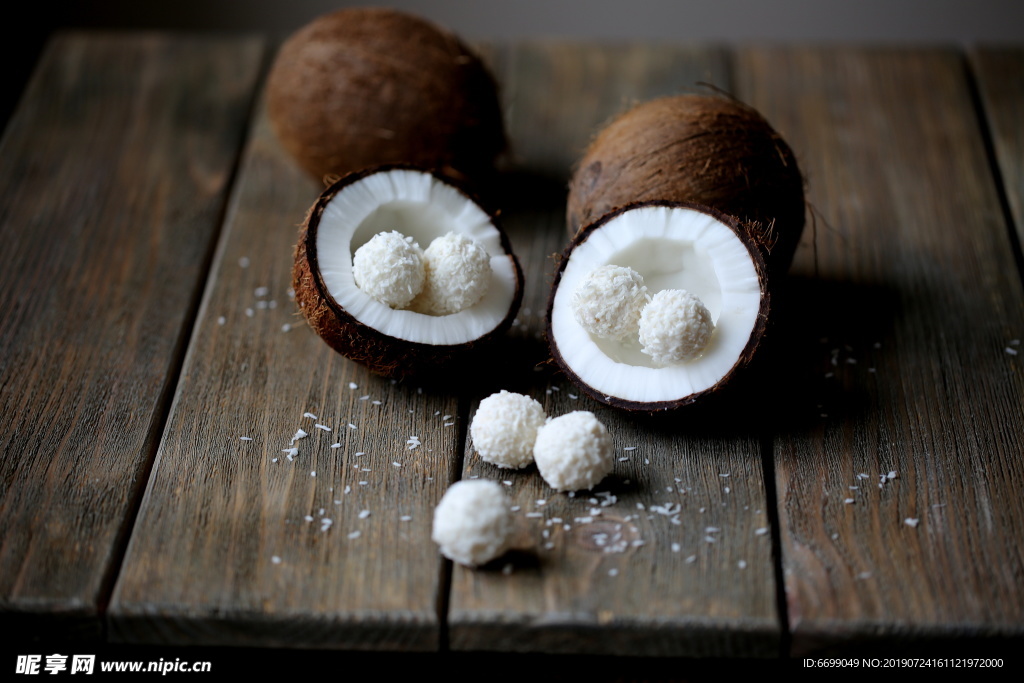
(363, 87)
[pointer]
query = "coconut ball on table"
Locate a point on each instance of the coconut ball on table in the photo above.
(473, 522)
(574, 451)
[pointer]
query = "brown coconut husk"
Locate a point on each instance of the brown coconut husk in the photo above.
(706, 149)
(365, 87)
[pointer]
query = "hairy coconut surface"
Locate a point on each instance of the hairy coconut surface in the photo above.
(706, 149)
(422, 205)
(672, 245)
(370, 86)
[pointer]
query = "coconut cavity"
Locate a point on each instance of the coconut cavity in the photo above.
(362, 237)
(699, 286)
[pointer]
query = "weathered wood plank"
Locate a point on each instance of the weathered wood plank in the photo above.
(113, 173)
(236, 544)
(897, 359)
(999, 73)
(632, 581)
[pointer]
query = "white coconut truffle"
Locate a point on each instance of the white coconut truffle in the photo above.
(675, 327)
(608, 302)
(458, 271)
(505, 427)
(473, 522)
(389, 267)
(573, 451)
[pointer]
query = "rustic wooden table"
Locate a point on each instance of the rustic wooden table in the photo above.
(868, 499)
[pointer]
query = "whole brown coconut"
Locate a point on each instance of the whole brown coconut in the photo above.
(704, 149)
(371, 86)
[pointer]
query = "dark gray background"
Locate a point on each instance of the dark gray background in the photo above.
(958, 21)
(952, 22)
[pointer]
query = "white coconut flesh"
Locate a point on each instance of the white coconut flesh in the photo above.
(420, 206)
(671, 248)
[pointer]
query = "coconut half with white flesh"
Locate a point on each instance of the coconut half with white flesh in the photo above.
(699, 257)
(421, 207)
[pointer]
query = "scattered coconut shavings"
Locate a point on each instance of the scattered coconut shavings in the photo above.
(676, 547)
(310, 415)
(308, 518)
(864, 576)
(221, 320)
(301, 434)
(405, 518)
(761, 531)
(848, 501)
(351, 426)
(261, 291)
(911, 521)
(245, 438)
(275, 559)
(355, 534)
(363, 514)
(1010, 350)
(336, 445)
(691, 559)
(326, 523)
(359, 454)
(323, 427)
(292, 452)
(249, 312)
(353, 385)
(742, 564)
(413, 443)
(629, 448)
(613, 572)
(397, 464)
(286, 327)
(244, 262)
(313, 473)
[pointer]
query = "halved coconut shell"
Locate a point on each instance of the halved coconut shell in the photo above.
(673, 245)
(421, 205)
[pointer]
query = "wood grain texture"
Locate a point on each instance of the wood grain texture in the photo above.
(999, 73)
(620, 577)
(236, 543)
(897, 360)
(113, 173)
